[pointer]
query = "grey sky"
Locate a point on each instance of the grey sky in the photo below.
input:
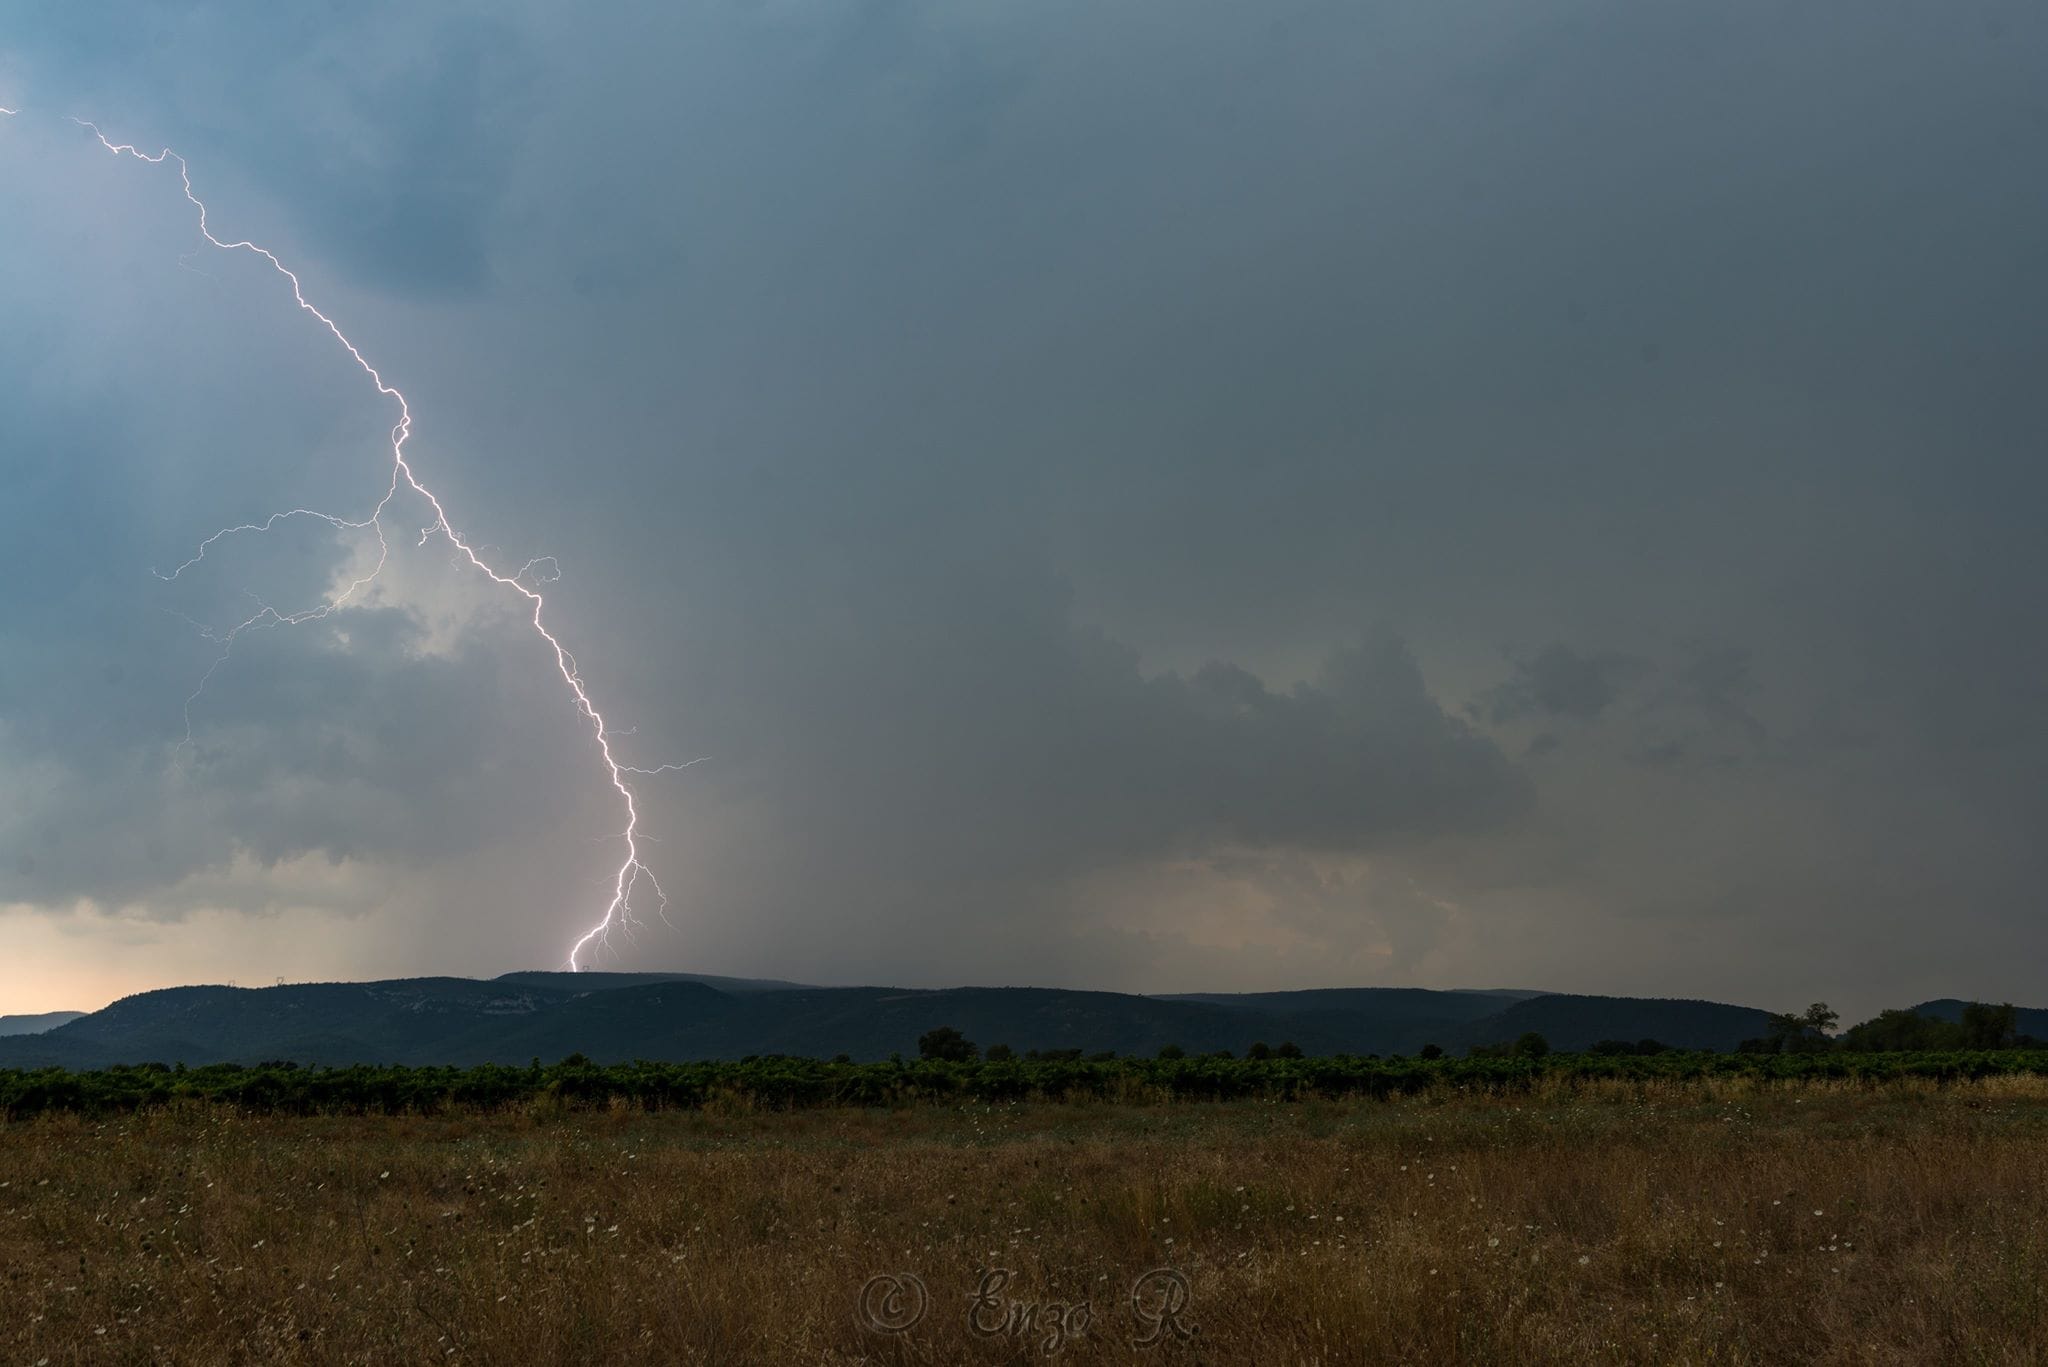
(1146, 496)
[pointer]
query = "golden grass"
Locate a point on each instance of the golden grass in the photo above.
(1724, 1222)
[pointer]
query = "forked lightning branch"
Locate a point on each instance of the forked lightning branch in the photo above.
(525, 581)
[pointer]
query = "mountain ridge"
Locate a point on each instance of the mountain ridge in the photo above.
(36, 1023)
(679, 1016)
(617, 1017)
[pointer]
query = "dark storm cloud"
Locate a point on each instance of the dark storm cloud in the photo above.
(1558, 681)
(363, 751)
(145, 407)
(383, 129)
(1717, 687)
(922, 402)
(967, 733)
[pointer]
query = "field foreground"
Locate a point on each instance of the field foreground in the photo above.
(1712, 1220)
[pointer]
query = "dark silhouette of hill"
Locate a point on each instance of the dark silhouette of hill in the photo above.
(399, 1021)
(679, 1016)
(35, 1025)
(1372, 1020)
(589, 981)
(1391, 1003)
(1575, 1022)
(876, 1022)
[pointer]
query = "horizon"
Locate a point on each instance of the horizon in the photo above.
(7, 1008)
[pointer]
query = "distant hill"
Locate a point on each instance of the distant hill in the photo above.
(622, 1016)
(591, 982)
(404, 1020)
(1574, 1022)
(35, 1025)
(1364, 1020)
(1391, 1003)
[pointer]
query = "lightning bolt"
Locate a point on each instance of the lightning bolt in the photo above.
(527, 581)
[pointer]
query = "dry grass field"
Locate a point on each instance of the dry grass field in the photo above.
(1723, 1222)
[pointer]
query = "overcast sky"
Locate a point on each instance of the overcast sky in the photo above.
(1155, 496)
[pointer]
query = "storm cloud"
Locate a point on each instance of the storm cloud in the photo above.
(1204, 497)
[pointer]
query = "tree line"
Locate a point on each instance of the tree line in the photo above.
(780, 1082)
(1982, 1026)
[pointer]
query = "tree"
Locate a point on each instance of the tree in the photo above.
(1172, 1051)
(1531, 1045)
(1820, 1018)
(1431, 1051)
(1000, 1053)
(1260, 1049)
(1783, 1027)
(1990, 1027)
(1287, 1049)
(1897, 1031)
(1799, 1032)
(946, 1045)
